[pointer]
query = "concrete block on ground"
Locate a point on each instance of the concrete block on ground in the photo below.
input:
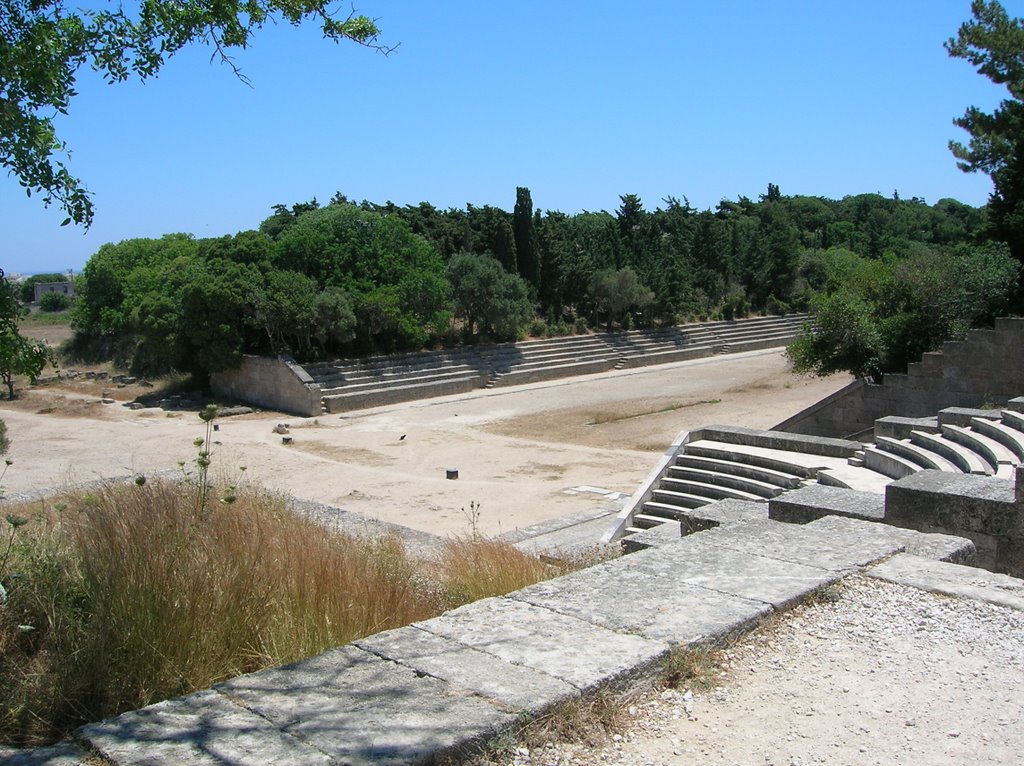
(577, 652)
(638, 597)
(202, 728)
(361, 709)
(1016, 404)
(815, 544)
(952, 580)
(816, 501)
(518, 687)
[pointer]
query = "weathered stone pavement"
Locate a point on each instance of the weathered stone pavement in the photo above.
(455, 681)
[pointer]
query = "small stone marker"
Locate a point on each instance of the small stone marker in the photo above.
(451, 473)
(286, 440)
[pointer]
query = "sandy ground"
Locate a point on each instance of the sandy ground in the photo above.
(519, 451)
(884, 675)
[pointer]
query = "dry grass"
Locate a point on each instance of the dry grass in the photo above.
(471, 568)
(132, 594)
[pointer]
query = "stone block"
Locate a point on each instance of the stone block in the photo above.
(61, 754)
(897, 427)
(361, 709)
(201, 729)
(981, 508)
(817, 544)
(952, 580)
(649, 598)
(961, 416)
(730, 511)
(518, 687)
(818, 500)
(573, 650)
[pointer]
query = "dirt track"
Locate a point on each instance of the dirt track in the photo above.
(519, 451)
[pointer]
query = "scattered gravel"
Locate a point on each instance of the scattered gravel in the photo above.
(886, 674)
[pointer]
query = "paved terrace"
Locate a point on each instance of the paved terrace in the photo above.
(440, 687)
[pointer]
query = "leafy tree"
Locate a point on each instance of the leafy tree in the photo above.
(994, 43)
(616, 292)
(43, 44)
(844, 337)
(18, 354)
(873, 317)
(487, 297)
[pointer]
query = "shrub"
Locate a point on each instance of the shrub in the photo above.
(131, 594)
(5, 442)
(538, 328)
(580, 326)
(776, 306)
(54, 302)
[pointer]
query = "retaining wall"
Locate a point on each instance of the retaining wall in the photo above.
(987, 366)
(277, 383)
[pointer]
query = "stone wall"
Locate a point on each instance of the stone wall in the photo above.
(276, 383)
(988, 366)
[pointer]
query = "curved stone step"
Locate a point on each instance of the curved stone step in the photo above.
(762, 475)
(1010, 438)
(729, 453)
(704, 489)
(995, 453)
(924, 458)
(1013, 419)
(679, 499)
(962, 457)
(669, 511)
(888, 463)
(751, 486)
(644, 521)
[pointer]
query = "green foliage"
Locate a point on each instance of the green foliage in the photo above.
(873, 317)
(994, 43)
(488, 298)
(43, 44)
(18, 354)
(5, 441)
(617, 292)
(54, 302)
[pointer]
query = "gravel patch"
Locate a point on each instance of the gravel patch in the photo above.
(886, 674)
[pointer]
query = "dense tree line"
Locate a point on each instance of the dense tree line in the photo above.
(351, 279)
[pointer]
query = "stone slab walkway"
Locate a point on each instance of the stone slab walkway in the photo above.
(455, 681)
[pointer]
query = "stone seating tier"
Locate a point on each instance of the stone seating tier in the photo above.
(388, 379)
(713, 462)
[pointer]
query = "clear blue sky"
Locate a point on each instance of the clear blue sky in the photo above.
(581, 101)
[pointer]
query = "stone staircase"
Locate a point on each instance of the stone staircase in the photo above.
(374, 381)
(726, 463)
